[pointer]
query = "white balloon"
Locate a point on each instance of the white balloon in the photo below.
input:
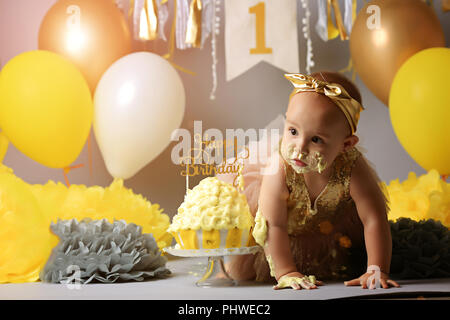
(138, 102)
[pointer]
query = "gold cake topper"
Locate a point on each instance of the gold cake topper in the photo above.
(193, 165)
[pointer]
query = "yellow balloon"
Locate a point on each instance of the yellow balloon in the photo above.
(419, 104)
(25, 240)
(46, 107)
(4, 143)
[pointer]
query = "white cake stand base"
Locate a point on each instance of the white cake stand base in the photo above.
(215, 274)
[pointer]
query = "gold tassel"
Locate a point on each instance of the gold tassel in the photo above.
(169, 56)
(151, 12)
(349, 67)
(445, 5)
(333, 32)
(354, 11)
(194, 25)
(130, 12)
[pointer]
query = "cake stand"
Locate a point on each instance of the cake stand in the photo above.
(215, 274)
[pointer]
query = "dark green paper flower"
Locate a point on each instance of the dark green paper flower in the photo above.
(420, 249)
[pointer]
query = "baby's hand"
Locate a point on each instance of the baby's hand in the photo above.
(364, 279)
(297, 281)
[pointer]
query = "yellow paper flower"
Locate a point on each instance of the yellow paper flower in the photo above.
(440, 205)
(26, 212)
(115, 202)
(25, 238)
(420, 198)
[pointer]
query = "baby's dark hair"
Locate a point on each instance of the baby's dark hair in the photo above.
(330, 76)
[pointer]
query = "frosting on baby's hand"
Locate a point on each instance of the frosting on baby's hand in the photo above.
(306, 282)
(271, 265)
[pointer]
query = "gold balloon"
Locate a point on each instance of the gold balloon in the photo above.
(92, 34)
(385, 34)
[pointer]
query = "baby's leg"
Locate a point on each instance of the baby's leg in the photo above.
(241, 267)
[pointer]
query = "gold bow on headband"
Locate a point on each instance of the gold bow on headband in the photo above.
(349, 106)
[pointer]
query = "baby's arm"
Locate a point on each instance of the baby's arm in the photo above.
(272, 205)
(371, 205)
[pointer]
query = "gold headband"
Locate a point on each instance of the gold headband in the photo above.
(349, 106)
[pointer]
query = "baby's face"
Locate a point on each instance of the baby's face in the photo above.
(315, 132)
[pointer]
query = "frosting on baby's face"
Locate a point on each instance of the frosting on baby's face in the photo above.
(315, 132)
(303, 162)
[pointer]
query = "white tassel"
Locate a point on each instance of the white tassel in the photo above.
(181, 27)
(307, 35)
(321, 25)
(163, 16)
(348, 18)
(215, 32)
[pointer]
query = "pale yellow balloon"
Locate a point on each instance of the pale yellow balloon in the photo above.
(419, 105)
(139, 102)
(46, 107)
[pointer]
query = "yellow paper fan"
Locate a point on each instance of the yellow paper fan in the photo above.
(417, 198)
(114, 202)
(25, 238)
(26, 212)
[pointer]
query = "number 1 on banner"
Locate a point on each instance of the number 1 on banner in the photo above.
(260, 12)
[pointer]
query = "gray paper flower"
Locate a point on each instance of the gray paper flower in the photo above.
(96, 250)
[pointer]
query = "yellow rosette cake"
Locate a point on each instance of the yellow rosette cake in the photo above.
(213, 215)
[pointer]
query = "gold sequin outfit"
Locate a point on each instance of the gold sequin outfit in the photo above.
(327, 236)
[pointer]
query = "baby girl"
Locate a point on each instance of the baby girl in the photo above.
(322, 213)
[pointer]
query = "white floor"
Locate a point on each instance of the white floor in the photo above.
(181, 286)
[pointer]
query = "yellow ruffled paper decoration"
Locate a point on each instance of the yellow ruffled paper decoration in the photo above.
(25, 238)
(114, 202)
(440, 205)
(26, 212)
(418, 198)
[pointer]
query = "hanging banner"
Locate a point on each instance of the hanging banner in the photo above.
(260, 30)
